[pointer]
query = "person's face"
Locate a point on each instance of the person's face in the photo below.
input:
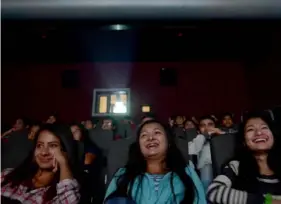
(89, 125)
(46, 145)
(227, 121)
(107, 124)
(171, 122)
(206, 125)
(51, 119)
(34, 129)
(76, 132)
(189, 125)
(19, 125)
(258, 136)
(153, 141)
(179, 120)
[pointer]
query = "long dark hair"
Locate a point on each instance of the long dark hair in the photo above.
(136, 166)
(24, 173)
(248, 167)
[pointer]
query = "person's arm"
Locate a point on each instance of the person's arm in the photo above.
(65, 172)
(68, 187)
(67, 192)
(7, 132)
(196, 145)
(5, 172)
(200, 193)
(220, 190)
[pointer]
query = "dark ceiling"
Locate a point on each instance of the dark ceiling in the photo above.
(57, 41)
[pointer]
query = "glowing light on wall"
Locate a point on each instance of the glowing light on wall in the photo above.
(145, 109)
(119, 107)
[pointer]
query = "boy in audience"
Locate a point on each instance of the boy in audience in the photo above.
(107, 124)
(20, 124)
(179, 121)
(33, 130)
(200, 146)
(88, 124)
(228, 125)
(52, 119)
(189, 124)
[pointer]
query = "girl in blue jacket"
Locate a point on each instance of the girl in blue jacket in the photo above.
(156, 172)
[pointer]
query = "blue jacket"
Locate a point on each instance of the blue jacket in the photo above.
(146, 193)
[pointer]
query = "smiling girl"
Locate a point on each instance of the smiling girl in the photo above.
(254, 177)
(46, 175)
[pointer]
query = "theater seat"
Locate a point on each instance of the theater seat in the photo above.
(102, 138)
(118, 156)
(120, 130)
(182, 144)
(15, 150)
(222, 150)
(130, 131)
(179, 132)
(191, 134)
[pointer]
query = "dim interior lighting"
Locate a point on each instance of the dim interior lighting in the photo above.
(119, 107)
(145, 109)
(118, 27)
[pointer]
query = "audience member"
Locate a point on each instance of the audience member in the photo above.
(89, 124)
(156, 172)
(228, 124)
(90, 152)
(189, 124)
(52, 119)
(87, 157)
(200, 146)
(171, 121)
(20, 124)
(254, 175)
(33, 131)
(108, 124)
(46, 175)
(179, 121)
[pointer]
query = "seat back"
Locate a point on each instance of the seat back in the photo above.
(222, 149)
(179, 132)
(130, 131)
(120, 130)
(191, 134)
(16, 149)
(80, 151)
(182, 144)
(118, 156)
(102, 138)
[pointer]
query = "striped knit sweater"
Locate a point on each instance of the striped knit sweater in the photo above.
(221, 190)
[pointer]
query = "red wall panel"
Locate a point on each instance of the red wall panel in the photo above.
(203, 87)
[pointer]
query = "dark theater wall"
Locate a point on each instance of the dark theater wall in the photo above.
(203, 87)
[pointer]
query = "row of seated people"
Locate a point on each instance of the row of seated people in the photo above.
(103, 136)
(155, 169)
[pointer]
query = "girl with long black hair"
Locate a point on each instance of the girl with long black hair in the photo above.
(156, 171)
(46, 176)
(254, 176)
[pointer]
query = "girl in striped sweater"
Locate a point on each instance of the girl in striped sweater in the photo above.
(254, 176)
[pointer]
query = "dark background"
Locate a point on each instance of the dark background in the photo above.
(222, 65)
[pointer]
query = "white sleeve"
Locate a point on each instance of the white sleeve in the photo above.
(196, 145)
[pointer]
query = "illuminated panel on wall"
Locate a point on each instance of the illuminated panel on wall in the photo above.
(145, 109)
(103, 104)
(108, 102)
